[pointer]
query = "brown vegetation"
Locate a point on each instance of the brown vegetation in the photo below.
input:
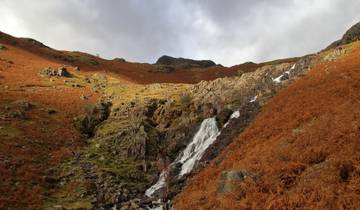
(34, 139)
(140, 73)
(303, 149)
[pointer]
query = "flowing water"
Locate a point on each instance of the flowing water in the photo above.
(204, 137)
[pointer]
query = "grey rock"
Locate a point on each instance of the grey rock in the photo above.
(184, 63)
(51, 72)
(229, 180)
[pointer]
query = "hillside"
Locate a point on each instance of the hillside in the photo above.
(301, 152)
(140, 73)
(81, 132)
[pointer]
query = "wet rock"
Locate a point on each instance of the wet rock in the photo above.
(223, 116)
(230, 180)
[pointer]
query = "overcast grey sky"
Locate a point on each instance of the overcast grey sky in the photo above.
(227, 31)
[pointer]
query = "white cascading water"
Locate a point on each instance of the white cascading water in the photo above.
(204, 137)
(158, 185)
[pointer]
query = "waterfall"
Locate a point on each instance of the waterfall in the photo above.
(204, 137)
(158, 185)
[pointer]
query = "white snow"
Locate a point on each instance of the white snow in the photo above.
(205, 136)
(293, 67)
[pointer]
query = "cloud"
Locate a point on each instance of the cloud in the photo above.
(228, 32)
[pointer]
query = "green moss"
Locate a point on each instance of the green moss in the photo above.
(111, 127)
(185, 101)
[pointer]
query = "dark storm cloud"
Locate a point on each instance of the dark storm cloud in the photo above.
(228, 31)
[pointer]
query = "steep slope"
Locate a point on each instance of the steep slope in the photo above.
(301, 152)
(36, 126)
(351, 35)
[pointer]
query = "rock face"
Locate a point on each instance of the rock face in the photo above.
(95, 115)
(51, 72)
(184, 63)
(351, 35)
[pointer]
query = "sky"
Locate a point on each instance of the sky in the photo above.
(228, 32)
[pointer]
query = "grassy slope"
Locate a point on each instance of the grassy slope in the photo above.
(303, 147)
(31, 147)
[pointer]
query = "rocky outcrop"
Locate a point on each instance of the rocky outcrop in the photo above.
(51, 72)
(184, 63)
(229, 180)
(95, 115)
(351, 35)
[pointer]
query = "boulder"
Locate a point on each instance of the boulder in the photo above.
(230, 180)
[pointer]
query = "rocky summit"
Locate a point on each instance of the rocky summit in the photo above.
(184, 62)
(78, 131)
